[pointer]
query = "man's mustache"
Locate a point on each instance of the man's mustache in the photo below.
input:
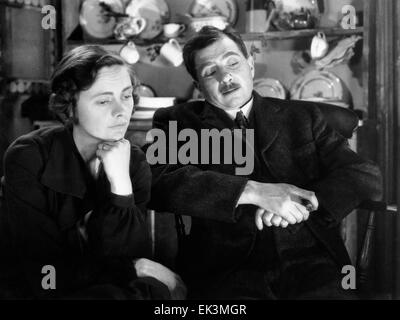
(228, 87)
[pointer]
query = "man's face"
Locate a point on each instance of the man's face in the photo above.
(105, 109)
(225, 76)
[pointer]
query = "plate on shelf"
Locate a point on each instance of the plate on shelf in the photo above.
(207, 8)
(140, 114)
(317, 86)
(268, 87)
(93, 20)
(155, 12)
(155, 103)
(144, 90)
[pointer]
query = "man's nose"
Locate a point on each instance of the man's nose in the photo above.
(226, 77)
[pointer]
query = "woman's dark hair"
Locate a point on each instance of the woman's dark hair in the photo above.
(204, 38)
(77, 71)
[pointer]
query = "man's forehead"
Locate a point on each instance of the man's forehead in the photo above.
(221, 48)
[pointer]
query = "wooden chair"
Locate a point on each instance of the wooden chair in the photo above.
(346, 122)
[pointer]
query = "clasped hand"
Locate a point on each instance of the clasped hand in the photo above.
(280, 204)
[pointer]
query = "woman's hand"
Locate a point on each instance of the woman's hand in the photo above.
(148, 268)
(115, 156)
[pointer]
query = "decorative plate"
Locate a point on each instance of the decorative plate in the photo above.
(206, 8)
(93, 20)
(155, 12)
(268, 87)
(145, 91)
(317, 86)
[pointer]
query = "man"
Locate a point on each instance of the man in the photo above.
(271, 234)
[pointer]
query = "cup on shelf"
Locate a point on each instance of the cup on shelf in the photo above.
(172, 52)
(172, 30)
(130, 53)
(319, 46)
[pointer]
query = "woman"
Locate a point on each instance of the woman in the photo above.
(77, 194)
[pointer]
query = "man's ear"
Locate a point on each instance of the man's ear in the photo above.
(250, 61)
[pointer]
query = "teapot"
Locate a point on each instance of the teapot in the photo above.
(129, 27)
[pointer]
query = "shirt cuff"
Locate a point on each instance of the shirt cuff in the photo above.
(122, 201)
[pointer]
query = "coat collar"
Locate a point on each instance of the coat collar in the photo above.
(214, 117)
(65, 170)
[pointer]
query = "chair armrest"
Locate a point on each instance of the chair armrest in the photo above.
(377, 206)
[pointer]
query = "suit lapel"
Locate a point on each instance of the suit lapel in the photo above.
(268, 122)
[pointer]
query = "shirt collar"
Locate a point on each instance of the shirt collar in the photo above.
(245, 109)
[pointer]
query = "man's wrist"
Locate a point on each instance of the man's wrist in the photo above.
(249, 193)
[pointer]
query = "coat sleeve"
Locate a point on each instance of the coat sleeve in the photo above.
(189, 190)
(118, 225)
(348, 179)
(42, 247)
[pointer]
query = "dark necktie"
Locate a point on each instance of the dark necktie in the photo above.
(241, 120)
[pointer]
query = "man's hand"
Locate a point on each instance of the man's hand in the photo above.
(263, 217)
(280, 202)
(115, 156)
(148, 268)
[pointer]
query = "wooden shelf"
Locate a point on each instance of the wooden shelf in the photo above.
(76, 39)
(18, 5)
(304, 33)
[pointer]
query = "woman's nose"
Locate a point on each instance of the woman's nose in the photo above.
(118, 109)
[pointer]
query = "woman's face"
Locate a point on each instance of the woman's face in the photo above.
(104, 110)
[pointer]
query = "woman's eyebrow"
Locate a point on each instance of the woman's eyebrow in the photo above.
(110, 92)
(127, 88)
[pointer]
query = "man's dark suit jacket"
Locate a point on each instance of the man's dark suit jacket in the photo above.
(297, 147)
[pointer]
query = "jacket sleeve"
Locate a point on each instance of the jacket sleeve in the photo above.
(348, 179)
(189, 190)
(118, 226)
(35, 236)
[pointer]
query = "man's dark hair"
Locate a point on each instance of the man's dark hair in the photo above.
(77, 71)
(204, 38)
